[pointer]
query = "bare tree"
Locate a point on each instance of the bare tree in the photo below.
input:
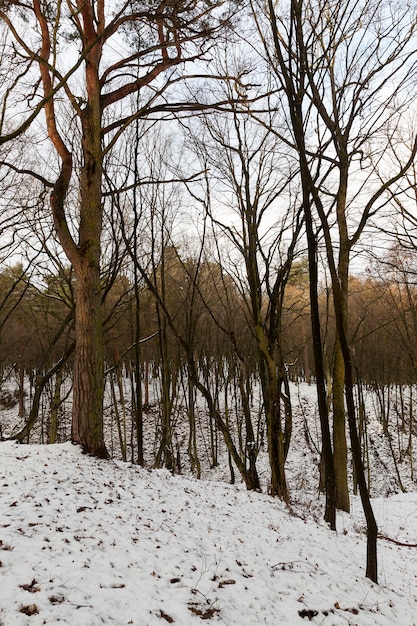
(250, 175)
(79, 62)
(333, 62)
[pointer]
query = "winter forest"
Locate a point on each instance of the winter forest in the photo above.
(208, 261)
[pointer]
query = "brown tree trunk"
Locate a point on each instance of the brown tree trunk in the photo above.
(295, 91)
(276, 456)
(339, 419)
(327, 452)
(339, 431)
(22, 410)
(88, 391)
(56, 401)
(251, 449)
(271, 393)
(371, 525)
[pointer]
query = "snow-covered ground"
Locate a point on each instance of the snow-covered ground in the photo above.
(89, 542)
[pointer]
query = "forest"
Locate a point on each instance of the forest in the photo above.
(205, 204)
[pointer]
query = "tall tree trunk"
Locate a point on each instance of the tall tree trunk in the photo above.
(120, 430)
(22, 410)
(295, 89)
(339, 431)
(55, 404)
(251, 448)
(271, 393)
(276, 453)
(371, 525)
(192, 435)
(138, 373)
(286, 399)
(84, 254)
(339, 420)
(329, 477)
(88, 392)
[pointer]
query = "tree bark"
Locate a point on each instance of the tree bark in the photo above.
(294, 85)
(339, 431)
(327, 452)
(371, 525)
(88, 393)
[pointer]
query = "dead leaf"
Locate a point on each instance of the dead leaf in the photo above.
(308, 613)
(203, 613)
(30, 609)
(31, 587)
(166, 617)
(58, 599)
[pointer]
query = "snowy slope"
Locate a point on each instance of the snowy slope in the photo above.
(89, 542)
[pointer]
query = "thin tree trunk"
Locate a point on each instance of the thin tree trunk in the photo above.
(192, 436)
(251, 444)
(327, 452)
(372, 529)
(56, 401)
(339, 431)
(410, 437)
(371, 525)
(146, 385)
(286, 398)
(138, 377)
(122, 441)
(22, 410)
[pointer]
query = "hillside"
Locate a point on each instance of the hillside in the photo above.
(88, 542)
